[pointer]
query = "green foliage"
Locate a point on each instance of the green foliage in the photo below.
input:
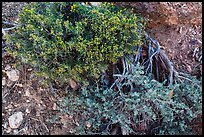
(150, 102)
(66, 40)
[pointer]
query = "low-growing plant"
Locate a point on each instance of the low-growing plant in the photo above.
(151, 108)
(65, 40)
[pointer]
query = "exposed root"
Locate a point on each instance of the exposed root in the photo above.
(169, 65)
(163, 66)
(7, 29)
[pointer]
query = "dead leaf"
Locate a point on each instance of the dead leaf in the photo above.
(73, 84)
(188, 67)
(171, 93)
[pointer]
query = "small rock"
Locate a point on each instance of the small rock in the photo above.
(27, 110)
(54, 106)
(27, 93)
(3, 71)
(13, 74)
(15, 131)
(30, 69)
(19, 85)
(7, 67)
(88, 124)
(9, 106)
(3, 81)
(124, 131)
(8, 130)
(15, 120)
(37, 114)
(9, 83)
(5, 125)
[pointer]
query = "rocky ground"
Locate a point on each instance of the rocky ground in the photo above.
(28, 109)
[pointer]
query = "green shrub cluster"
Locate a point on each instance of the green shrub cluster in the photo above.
(66, 40)
(159, 109)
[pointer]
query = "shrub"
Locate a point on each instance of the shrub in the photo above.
(151, 108)
(66, 40)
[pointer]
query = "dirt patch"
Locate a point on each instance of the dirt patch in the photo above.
(183, 45)
(37, 104)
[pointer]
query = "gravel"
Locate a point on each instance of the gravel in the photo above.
(10, 10)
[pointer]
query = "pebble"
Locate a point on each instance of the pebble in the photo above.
(9, 106)
(19, 85)
(27, 110)
(30, 69)
(54, 106)
(27, 101)
(15, 120)
(15, 131)
(7, 67)
(27, 93)
(5, 125)
(9, 83)
(8, 130)
(13, 75)
(3, 81)
(88, 124)
(9, 109)
(37, 114)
